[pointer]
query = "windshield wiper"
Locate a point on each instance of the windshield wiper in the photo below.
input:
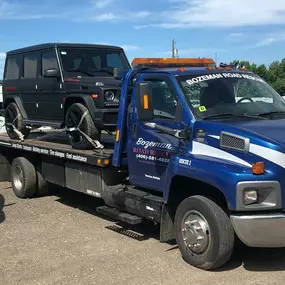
(81, 71)
(271, 113)
(227, 115)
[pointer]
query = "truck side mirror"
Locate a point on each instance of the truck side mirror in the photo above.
(144, 101)
(51, 72)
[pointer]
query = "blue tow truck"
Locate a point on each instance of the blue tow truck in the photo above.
(201, 151)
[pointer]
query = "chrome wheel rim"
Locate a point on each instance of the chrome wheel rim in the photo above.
(196, 233)
(18, 178)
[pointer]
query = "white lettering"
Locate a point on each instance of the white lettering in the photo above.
(222, 75)
(147, 144)
(152, 177)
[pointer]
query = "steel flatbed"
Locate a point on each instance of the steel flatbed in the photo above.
(55, 161)
(56, 144)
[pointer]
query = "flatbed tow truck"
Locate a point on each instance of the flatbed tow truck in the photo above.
(208, 174)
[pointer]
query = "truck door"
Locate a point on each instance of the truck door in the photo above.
(150, 150)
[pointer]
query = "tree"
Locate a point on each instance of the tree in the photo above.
(274, 74)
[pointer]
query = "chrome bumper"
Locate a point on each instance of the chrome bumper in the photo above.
(264, 230)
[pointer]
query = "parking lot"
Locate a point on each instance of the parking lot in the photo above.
(60, 239)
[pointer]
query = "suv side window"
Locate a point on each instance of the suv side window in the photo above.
(12, 68)
(30, 65)
(163, 99)
(49, 60)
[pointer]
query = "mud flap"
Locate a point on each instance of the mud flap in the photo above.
(167, 224)
(4, 168)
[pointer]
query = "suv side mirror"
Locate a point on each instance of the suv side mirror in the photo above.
(51, 72)
(144, 101)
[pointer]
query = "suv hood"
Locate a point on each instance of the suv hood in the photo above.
(97, 81)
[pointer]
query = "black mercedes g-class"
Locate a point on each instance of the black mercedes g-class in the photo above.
(60, 85)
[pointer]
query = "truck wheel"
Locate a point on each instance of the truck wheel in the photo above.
(72, 119)
(14, 116)
(204, 233)
(23, 178)
(42, 188)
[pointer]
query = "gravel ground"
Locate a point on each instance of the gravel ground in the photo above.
(60, 239)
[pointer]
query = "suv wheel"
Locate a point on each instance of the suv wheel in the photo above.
(72, 119)
(14, 116)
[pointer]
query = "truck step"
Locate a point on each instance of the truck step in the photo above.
(118, 215)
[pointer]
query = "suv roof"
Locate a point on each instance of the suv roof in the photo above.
(53, 45)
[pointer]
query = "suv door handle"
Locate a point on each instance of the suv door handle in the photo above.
(134, 131)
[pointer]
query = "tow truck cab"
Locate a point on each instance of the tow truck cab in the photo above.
(228, 148)
(199, 150)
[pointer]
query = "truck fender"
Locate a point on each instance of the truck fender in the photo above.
(85, 99)
(221, 175)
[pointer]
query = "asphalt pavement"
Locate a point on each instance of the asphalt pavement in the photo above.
(60, 239)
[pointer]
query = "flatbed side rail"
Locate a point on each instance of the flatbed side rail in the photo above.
(99, 158)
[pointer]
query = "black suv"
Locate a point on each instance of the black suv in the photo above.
(60, 85)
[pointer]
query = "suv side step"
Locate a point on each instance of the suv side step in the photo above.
(118, 215)
(42, 123)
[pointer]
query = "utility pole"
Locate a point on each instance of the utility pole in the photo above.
(173, 48)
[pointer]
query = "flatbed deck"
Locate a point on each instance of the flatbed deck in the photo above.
(53, 143)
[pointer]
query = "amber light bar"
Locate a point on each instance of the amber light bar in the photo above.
(157, 62)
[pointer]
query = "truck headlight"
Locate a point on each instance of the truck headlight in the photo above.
(109, 95)
(250, 197)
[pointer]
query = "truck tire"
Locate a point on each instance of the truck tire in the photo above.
(42, 188)
(203, 232)
(13, 115)
(23, 178)
(72, 119)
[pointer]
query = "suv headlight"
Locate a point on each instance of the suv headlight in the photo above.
(109, 95)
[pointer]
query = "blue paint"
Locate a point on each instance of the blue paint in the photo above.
(154, 158)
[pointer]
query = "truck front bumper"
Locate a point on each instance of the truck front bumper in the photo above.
(263, 230)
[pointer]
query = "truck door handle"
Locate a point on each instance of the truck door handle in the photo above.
(134, 130)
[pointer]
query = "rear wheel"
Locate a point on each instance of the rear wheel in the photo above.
(23, 178)
(72, 119)
(14, 116)
(204, 233)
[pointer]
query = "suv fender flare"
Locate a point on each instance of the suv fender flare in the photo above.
(88, 101)
(18, 101)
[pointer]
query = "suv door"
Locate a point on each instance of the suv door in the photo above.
(51, 94)
(11, 82)
(29, 84)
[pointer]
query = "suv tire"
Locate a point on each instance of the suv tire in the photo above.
(72, 119)
(13, 115)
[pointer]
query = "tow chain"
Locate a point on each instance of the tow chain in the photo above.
(95, 143)
(20, 135)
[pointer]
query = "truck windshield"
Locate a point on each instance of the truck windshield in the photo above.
(92, 61)
(214, 95)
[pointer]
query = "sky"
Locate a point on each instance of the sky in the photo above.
(251, 30)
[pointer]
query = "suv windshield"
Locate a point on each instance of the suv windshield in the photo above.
(217, 95)
(92, 61)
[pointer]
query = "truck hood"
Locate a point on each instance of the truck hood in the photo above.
(266, 140)
(270, 130)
